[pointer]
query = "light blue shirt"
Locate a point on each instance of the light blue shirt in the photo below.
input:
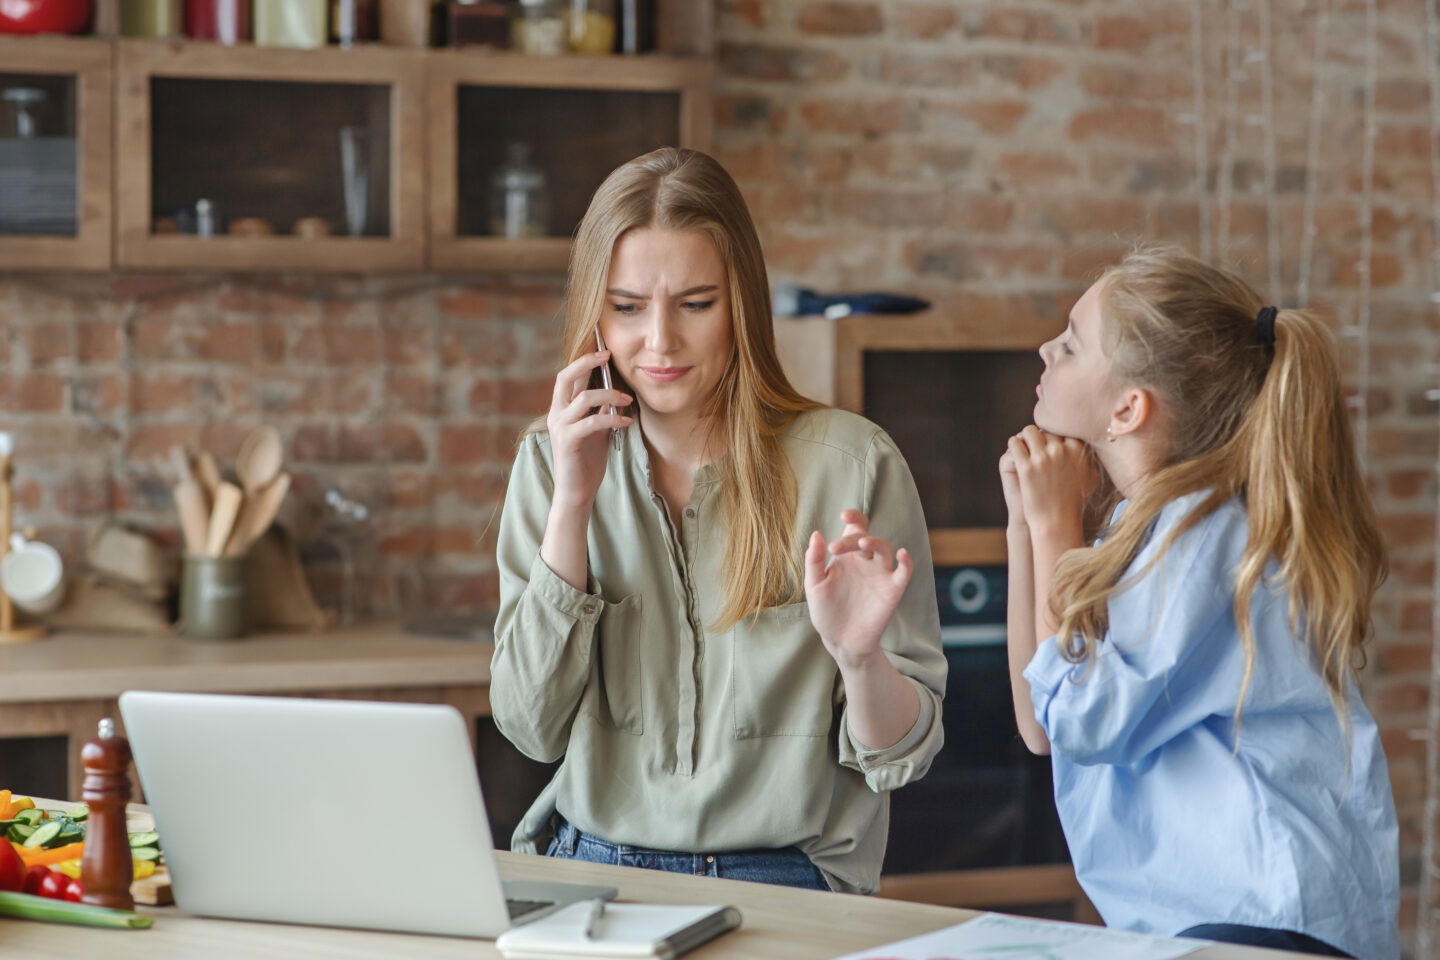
(1168, 825)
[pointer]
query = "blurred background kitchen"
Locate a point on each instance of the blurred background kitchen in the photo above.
(324, 240)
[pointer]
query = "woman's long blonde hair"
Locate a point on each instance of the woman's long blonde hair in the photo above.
(1265, 423)
(754, 402)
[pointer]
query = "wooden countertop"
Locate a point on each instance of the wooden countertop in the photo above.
(779, 924)
(87, 666)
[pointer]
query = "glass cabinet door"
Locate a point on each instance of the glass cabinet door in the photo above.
(54, 153)
(520, 144)
(269, 159)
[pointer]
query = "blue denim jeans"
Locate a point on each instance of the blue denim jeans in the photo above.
(787, 866)
(1262, 937)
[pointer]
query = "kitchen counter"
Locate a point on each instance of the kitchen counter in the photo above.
(62, 685)
(779, 924)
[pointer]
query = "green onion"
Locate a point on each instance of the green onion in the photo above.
(30, 907)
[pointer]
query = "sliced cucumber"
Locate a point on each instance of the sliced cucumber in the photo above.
(69, 833)
(80, 813)
(145, 853)
(21, 832)
(31, 816)
(150, 839)
(43, 834)
(5, 825)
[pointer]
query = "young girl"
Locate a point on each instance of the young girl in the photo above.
(654, 629)
(1193, 672)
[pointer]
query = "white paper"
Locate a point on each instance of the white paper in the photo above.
(994, 936)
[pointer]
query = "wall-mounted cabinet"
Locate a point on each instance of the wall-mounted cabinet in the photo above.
(248, 158)
(55, 151)
(519, 144)
(181, 155)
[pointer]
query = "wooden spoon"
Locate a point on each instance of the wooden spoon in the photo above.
(259, 513)
(209, 472)
(222, 518)
(260, 458)
(190, 502)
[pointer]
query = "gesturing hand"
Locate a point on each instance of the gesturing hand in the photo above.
(853, 598)
(578, 435)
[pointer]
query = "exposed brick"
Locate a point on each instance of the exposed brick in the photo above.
(1030, 26)
(1140, 125)
(32, 392)
(923, 20)
(842, 19)
(471, 444)
(760, 61)
(867, 118)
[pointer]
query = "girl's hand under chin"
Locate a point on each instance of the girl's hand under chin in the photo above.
(1055, 476)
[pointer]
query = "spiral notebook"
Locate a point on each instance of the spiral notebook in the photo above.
(646, 930)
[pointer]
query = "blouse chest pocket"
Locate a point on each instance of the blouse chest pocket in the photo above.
(615, 695)
(784, 680)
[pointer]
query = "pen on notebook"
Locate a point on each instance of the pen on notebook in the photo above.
(592, 922)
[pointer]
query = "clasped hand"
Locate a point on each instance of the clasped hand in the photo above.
(1046, 479)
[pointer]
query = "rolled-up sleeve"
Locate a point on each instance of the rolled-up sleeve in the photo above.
(544, 633)
(912, 640)
(1169, 660)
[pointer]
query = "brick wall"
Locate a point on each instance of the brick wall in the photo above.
(403, 394)
(989, 155)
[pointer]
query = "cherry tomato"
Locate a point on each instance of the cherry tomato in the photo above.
(12, 868)
(34, 876)
(74, 891)
(53, 885)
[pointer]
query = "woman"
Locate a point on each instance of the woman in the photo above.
(653, 627)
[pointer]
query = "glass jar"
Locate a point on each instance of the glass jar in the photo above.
(353, 21)
(538, 27)
(519, 205)
(150, 18)
(222, 21)
(592, 26)
(481, 23)
(405, 23)
(290, 23)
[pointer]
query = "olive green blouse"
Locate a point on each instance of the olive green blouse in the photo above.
(677, 738)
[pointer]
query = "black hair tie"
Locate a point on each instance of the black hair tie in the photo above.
(1265, 324)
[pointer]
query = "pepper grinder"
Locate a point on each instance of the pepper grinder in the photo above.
(106, 869)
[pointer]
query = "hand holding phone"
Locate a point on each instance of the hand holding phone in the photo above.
(609, 385)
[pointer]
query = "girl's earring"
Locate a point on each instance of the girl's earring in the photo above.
(1110, 434)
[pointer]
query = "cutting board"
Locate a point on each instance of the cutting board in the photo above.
(154, 890)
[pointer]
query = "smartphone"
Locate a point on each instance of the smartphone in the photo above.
(609, 385)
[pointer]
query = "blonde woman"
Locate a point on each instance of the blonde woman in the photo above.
(1193, 674)
(730, 695)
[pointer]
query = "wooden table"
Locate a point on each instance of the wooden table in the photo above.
(63, 685)
(779, 924)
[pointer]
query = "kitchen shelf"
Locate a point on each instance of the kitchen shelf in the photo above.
(75, 76)
(256, 131)
(581, 117)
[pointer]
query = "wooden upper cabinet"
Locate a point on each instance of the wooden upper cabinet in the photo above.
(55, 143)
(507, 129)
(252, 158)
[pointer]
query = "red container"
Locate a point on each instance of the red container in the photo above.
(223, 21)
(44, 16)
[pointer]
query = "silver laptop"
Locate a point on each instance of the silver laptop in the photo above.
(335, 813)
